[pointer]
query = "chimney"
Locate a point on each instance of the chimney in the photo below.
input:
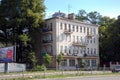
(71, 16)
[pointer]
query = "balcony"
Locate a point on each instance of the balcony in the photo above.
(68, 32)
(91, 55)
(47, 42)
(80, 44)
(47, 31)
(89, 35)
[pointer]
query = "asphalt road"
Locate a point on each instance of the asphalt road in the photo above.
(110, 77)
(100, 77)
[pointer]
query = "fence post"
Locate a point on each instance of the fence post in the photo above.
(62, 72)
(44, 72)
(23, 74)
(104, 68)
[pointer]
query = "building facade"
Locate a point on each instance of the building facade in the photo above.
(76, 40)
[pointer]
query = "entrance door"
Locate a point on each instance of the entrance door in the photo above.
(79, 62)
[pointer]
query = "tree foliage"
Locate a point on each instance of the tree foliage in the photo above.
(47, 59)
(60, 58)
(109, 35)
(32, 59)
(82, 15)
(19, 23)
(24, 38)
(109, 39)
(91, 17)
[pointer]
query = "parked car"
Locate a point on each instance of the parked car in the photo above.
(116, 69)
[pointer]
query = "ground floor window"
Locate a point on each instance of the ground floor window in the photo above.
(87, 62)
(93, 62)
(64, 62)
(72, 62)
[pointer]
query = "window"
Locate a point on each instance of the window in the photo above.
(81, 50)
(84, 29)
(69, 27)
(84, 50)
(93, 62)
(81, 40)
(94, 31)
(73, 28)
(90, 40)
(65, 26)
(87, 40)
(91, 31)
(75, 50)
(65, 49)
(81, 29)
(72, 63)
(69, 50)
(87, 30)
(94, 50)
(88, 50)
(94, 40)
(64, 62)
(50, 37)
(76, 28)
(91, 50)
(61, 26)
(87, 62)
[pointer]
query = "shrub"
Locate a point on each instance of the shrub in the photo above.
(40, 67)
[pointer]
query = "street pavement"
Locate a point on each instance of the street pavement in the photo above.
(106, 77)
(23, 75)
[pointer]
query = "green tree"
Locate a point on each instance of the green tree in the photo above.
(82, 15)
(93, 17)
(105, 41)
(114, 31)
(19, 25)
(47, 59)
(32, 59)
(106, 21)
(59, 59)
(24, 38)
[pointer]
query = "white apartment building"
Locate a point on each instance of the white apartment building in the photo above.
(76, 40)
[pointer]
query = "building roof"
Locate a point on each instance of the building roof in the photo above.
(72, 20)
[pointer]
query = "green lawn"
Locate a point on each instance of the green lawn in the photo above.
(58, 75)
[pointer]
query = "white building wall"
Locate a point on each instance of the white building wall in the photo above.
(64, 42)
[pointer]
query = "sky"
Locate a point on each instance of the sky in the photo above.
(109, 8)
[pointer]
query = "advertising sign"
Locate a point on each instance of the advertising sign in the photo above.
(6, 54)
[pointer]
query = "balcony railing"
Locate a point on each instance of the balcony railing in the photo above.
(46, 31)
(68, 32)
(47, 42)
(91, 55)
(90, 35)
(80, 44)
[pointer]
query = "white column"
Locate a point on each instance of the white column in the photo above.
(76, 61)
(90, 62)
(68, 63)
